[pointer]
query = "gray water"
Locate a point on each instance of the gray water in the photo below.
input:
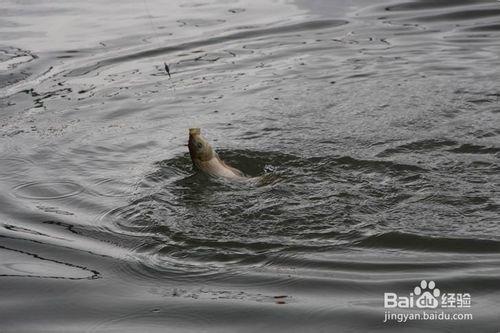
(378, 121)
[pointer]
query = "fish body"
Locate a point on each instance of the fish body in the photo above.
(206, 160)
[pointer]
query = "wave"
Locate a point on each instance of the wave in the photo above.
(413, 242)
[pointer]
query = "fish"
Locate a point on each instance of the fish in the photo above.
(206, 160)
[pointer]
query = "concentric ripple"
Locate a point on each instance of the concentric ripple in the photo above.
(47, 190)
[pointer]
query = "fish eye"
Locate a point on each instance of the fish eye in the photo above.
(199, 145)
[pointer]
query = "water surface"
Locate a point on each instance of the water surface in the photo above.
(378, 121)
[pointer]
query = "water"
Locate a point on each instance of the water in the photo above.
(379, 122)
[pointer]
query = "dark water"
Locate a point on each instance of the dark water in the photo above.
(380, 122)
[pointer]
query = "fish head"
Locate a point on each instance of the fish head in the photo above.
(199, 149)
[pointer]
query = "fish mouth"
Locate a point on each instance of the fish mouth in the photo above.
(194, 131)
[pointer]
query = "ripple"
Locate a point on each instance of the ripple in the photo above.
(11, 57)
(425, 5)
(11, 167)
(248, 34)
(484, 27)
(21, 263)
(114, 188)
(152, 265)
(194, 225)
(413, 242)
(419, 146)
(385, 177)
(180, 316)
(47, 190)
(469, 14)
(475, 149)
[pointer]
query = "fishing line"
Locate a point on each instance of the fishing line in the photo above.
(155, 33)
(156, 36)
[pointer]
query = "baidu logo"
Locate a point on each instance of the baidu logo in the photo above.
(426, 302)
(428, 295)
